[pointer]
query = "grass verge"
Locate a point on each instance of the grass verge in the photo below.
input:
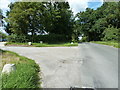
(41, 45)
(114, 44)
(26, 74)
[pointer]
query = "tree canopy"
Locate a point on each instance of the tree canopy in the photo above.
(39, 17)
(96, 24)
(56, 19)
(1, 17)
(2, 35)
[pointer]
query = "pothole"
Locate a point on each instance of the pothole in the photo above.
(71, 61)
(65, 61)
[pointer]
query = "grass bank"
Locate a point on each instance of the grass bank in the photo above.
(26, 74)
(41, 45)
(110, 43)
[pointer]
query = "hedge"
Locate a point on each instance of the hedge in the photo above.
(51, 38)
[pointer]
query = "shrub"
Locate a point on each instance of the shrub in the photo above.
(3, 36)
(84, 39)
(111, 34)
(17, 38)
(52, 38)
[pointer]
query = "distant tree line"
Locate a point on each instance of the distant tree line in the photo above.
(28, 21)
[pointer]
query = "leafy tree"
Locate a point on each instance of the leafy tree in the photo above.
(23, 17)
(38, 17)
(7, 29)
(58, 18)
(16, 38)
(112, 13)
(1, 17)
(97, 29)
(3, 36)
(86, 20)
(94, 24)
(111, 34)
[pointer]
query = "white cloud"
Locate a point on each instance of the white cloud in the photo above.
(95, 0)
(4, 4)
(78, 5)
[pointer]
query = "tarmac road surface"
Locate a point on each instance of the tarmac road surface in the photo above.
(99, 66)
(88, 65)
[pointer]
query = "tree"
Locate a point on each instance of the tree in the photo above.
(111, 14)
(58, 18)
(86, 20)
(97, 29)
(111, 34)
(1, 17)
(39, 17)
(2, 35)
(94, 23)
(23, 17)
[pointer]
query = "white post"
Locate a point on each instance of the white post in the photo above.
(41, 42)
(29, 43)
(71, 42)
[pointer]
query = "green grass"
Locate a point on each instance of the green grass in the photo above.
(26, 74)
(42, 45)
(110, 43)
(12, 44)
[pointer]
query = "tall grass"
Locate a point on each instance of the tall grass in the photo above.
(26, 74)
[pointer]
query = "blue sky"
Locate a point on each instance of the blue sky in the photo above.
(94, 5)
(81, 5)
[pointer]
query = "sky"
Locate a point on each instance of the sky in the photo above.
(75, 5)
(81, 5)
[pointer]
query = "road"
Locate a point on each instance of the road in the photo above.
(2, 44)
(88, 65)
(100, 65)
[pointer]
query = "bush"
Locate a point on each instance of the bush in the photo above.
(84, 39)
(3, 36)
(17, 38)
(111, 34)
(52, 38)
